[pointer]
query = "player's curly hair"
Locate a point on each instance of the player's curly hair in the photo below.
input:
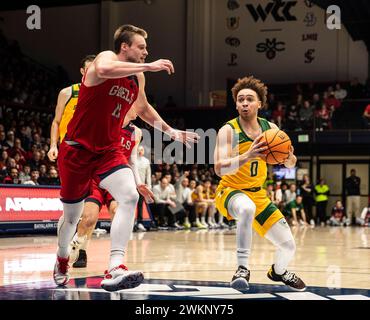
(124, 34)
(251, 83)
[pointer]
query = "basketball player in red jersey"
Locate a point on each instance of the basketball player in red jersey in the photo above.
(131, 137)
(91, 148)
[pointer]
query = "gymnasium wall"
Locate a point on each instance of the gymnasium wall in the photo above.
(202, 40)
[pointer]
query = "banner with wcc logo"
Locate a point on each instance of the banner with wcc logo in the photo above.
(280, 41)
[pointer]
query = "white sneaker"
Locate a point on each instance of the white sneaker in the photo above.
(60, 274)
(120, 278)
(312, 222)
(140, 227)
(75, 247)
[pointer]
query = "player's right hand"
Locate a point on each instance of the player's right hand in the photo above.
(257, 148)
(53, 153)
(161, 64)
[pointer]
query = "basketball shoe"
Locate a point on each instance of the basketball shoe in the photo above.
(119, 278)
(240, 280)
(61, 275)
(81, 261)
(288, 278)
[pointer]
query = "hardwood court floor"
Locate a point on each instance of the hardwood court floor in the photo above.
(336, 257)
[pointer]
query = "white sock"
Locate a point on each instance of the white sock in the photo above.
(242, 208)
(186, 220)
(82, 240)
(67, 226)
(121, 185)
(281, 236)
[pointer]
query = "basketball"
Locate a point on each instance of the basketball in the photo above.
(278, 143)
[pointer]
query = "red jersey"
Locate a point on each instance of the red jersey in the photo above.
(128, 139)
(99, 114)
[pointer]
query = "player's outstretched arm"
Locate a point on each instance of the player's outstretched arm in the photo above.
(107, 66)
(147, 113)
(63, 97)
(228, 163)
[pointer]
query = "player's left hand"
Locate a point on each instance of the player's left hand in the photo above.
(184, 136)
(146, 193)
(291, 160)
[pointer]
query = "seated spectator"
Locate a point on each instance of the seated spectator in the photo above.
(34, 178)
(364, 219)
(339, 92)
(164, 198)
(25, 175)
(278, 115)
(306, 115)
(265, 112)
(4, 160)
(9, 143)
(3, 144)
(35, 162)
(356, 89)
(291, 122)
(13, 177)
(295, 208)
(338, 216)
(366, 117)
(291, 193)
(316, 101)
(331, 102)
(323, 118)
(270, 192)
(280, 195)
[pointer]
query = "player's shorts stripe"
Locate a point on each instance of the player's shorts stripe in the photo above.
(266, 213)
(76, 200)
(94, 201)
(229, 197)
(106, 174)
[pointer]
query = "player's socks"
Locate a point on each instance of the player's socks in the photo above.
(67, 226)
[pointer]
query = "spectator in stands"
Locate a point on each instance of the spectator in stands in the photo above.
(208, 196)
(43, 175)
(352, 189)
(3, 144)
(323, 118)
(17, 148)
(339, 92)
(306, 191)
(271, 102)
(280, 195)
(356, 89)
(338, 216)
(34, 178)
(4, 160)
(265, 112)
(366, 117)
(278, 115)
(25, 175)
(145, 172)
(183, 196)
(35, 162)
(13, 177)
(316, 101)
(9, 143)
(331, 102)
(164, 198)
(294, 210)
(291, 193)
(322, 195)
(270, 192)
(306, 115)
(365, 215)
(291, 122)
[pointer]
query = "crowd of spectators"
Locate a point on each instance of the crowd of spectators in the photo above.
(308, 108)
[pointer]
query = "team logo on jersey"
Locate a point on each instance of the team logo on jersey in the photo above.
(123, 93)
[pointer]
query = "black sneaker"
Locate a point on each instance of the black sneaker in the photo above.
(240, 280)
(81, 261)
(288, 278)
